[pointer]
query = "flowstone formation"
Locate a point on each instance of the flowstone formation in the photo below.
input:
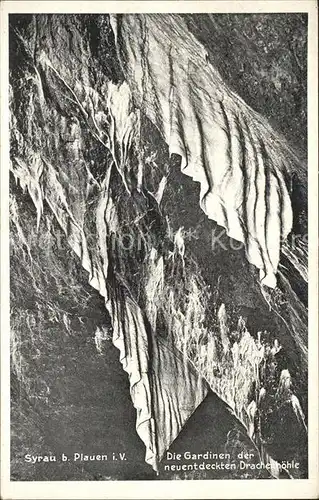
(199, 281)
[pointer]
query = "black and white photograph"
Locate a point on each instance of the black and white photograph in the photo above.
(158, 182)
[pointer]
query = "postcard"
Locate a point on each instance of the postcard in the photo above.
(159, 225)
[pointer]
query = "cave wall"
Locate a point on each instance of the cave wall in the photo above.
(108, 197)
